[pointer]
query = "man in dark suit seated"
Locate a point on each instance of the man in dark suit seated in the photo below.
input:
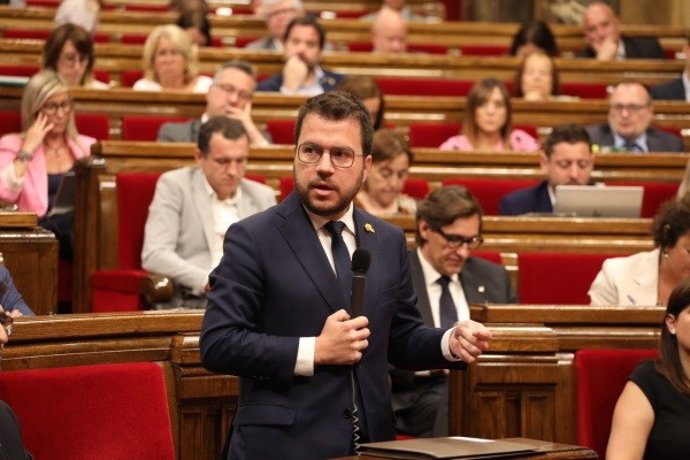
(304, 41)
(629, 127)
(605, 42)
(277, 14)
(678, 89)
(230, 95)
(447, 279)
(567, 160)
(313, 368)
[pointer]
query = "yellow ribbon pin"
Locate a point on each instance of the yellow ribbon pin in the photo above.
(369, 228)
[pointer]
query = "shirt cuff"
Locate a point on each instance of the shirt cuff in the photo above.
(445, 346)
(305, 357)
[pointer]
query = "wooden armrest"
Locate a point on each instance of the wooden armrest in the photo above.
(156, 288)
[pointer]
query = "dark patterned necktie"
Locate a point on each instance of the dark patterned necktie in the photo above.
(341, 257)
(448, 313)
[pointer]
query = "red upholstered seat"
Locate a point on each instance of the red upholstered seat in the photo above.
(489, 191)
(432, 135)
(110, 411)
(484, 50)
(655, 194)
(35, 34)
(93, 124)
(10, 122)
(129, 77)
(144, 128)
(134, 39)
(585, 90)
(18, 70)
(600, 378)
(416, 188)
(557, 278)
(285, 186)
(491, 256)
(118, 289)
(423, 86)
(282, 131)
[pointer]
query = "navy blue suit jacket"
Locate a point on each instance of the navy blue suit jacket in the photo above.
(657, 140)
(526, 200)
(275, 285)
(635, 48)
(673, 90)
(328, 82)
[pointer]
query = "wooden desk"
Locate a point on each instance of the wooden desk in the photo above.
(544, 451)
(30, 253)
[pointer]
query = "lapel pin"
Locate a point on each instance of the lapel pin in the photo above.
(481, 289)
(369, 228)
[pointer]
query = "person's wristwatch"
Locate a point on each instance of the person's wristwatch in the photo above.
(25, 156)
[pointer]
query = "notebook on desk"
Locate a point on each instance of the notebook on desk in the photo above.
(598, 201)
(64, 197)
(444, 448)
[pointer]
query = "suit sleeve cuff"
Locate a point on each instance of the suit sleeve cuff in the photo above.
(305, 357)
(445, 346)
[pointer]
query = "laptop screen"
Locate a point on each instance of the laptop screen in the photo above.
(599, 201)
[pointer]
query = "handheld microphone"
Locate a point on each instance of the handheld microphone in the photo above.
(360, 264)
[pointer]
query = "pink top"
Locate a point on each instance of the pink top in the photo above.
(520, 141)
(30, 193)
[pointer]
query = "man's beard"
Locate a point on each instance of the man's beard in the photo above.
(322, 209)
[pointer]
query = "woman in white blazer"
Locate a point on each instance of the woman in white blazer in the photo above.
(647, 278)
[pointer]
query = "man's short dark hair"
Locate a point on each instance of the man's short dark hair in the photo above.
(239, 64)
(229, 128)
(338, 106)
(444, 205)
(310, 21)
(569, 133)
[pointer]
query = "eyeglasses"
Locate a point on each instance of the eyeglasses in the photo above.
(52, 108)
(71, 59)
(632, 108)
(456, 241)
(6, 321)
(341, 157)
(232, 89)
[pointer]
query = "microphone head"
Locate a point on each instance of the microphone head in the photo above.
(361, 260)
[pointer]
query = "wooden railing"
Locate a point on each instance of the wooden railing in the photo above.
(523, 386)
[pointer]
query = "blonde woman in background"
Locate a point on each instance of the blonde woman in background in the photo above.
(170, 63)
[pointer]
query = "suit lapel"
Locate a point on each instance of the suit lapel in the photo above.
(475, 292)
(202, 203)
(300, 236)
(245, 206)
(366, 237)
(420, 288)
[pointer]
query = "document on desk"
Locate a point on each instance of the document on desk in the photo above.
(454, 447)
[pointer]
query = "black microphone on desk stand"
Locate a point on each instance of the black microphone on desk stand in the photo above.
(360, 265)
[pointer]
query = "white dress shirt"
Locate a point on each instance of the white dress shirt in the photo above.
(433, 289)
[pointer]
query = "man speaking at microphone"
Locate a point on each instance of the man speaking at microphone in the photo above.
(314, 379)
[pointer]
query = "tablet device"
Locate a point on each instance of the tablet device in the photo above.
(599, 201)
(64, 198)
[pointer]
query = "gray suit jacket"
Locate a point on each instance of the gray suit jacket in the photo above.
(264, 43)
(187, 131)
(179, 233)
(483, 282)
(657, 140)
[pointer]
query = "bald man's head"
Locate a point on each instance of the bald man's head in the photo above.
(389, 32)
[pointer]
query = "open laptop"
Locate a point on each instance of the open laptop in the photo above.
(598, 201)
(66, 192)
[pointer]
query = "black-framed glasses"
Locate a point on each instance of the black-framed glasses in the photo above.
(232, 89)
(6, 321)
(456, 241)
(631, 108)
(52, 108)
(341, 157)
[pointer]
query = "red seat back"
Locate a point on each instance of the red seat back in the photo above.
(18, 70)
(129, 77)
(432, 135)
(87, 412)
(35, 34)
(93, 124)
(286, 184)
(600, 377)
(491, 256)
(10, 122)
(655, 194)
(557, 278)
(484, 50)
(423, 86)
(488, 192)
(416, 188)
(144, 128)
(585, 90)
(282, 131)
(134, 195)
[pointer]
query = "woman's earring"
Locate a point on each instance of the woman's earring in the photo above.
(665, 253)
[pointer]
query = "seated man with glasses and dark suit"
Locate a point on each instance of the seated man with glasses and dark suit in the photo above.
(229, 95)
(629, 124)
(447, 279)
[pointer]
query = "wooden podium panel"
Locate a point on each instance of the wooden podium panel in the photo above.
(30, 253)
